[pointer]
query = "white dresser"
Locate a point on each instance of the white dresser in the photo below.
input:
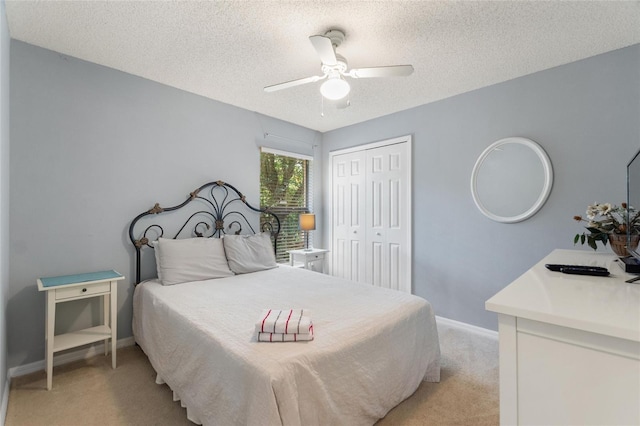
(569, 345)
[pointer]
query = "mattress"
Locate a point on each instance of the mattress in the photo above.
(371, 349)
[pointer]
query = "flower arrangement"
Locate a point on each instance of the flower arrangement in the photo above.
(605, 219)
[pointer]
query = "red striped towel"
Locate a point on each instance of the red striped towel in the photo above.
(284, 321)
(282, 337)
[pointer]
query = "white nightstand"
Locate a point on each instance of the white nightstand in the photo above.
(311, 259)
(81, 286)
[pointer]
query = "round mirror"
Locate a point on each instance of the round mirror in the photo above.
(511, 180)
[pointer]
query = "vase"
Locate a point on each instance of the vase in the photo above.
(619, 243)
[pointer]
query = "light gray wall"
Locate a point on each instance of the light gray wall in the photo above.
(4, 199)
(586, 115)
(93, 147)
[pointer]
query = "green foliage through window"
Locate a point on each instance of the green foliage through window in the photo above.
(284, 188)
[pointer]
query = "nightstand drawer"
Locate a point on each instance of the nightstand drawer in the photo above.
(65, 293)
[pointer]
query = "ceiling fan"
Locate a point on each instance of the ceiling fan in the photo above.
(334, 69)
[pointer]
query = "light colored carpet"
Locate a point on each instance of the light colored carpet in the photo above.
(468, 390)
(90, 392)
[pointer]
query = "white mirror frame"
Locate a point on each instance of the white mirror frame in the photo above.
(544, 194)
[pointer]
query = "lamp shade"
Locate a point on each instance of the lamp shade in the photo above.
(307, 221)
(335, 88)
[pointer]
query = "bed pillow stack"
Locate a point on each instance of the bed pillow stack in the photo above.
(196, 259)
(284, 325)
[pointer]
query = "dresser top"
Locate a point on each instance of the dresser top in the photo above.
(604, 305)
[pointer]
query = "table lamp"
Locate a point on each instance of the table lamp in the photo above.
(307, 223)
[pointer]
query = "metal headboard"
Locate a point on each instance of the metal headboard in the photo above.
(217, 203)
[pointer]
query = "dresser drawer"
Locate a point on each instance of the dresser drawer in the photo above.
(66, 293)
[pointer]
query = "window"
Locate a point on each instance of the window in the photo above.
(285, 188)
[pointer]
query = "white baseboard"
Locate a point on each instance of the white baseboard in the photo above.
(66, 358)
(485, 332)
(5, 400)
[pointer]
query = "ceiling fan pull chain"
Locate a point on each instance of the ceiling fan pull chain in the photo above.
(321, 106)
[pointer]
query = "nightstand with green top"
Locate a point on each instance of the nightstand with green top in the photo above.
(74, 287)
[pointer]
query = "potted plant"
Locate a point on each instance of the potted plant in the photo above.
(610, 223)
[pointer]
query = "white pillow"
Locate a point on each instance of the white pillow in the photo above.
(154, 244)
(191, 259)
(249, 253)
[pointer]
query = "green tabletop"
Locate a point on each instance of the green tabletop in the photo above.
(79, 278)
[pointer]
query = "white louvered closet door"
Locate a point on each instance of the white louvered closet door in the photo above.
(372, 216)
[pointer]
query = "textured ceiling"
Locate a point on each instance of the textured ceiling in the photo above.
(230, 50)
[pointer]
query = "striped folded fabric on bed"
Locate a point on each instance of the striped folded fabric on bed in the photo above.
(284, 325)
(284, 321)
(286, 337)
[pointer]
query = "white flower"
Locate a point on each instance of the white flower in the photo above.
(604, 208)
(592, 211)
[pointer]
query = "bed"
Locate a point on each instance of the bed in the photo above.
(371, 347)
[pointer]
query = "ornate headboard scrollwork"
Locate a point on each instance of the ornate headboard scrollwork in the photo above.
(214, 209)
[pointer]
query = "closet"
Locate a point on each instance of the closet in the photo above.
(371, 214)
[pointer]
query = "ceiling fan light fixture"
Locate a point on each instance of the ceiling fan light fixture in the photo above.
(335, 88)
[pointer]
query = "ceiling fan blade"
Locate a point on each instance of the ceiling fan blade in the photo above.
(324, 47)
(293, 83)
(390, 71)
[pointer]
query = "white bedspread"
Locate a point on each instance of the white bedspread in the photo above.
(371, 350)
